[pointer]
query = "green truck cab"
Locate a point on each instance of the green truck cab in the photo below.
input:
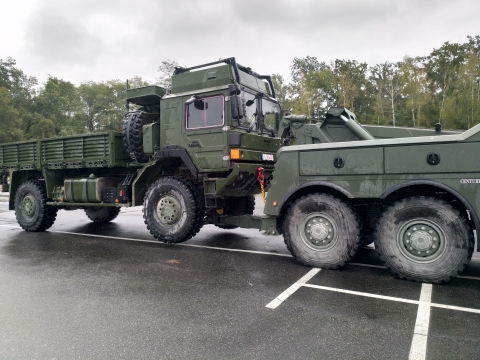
(211, 112)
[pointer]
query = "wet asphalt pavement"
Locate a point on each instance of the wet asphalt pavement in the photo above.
(84, 291)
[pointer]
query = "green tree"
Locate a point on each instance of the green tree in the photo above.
(10, 120)
(58, 101)
(389, 86)
(416, 93)
(137, 82)
(311, 87)
(103, 105)
(462, 108)
(166, 69)
(282, 91)
(442, 67)
(351, 84)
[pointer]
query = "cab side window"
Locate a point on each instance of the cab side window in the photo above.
(205, 112)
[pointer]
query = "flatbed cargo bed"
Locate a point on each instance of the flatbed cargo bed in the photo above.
(71, 152)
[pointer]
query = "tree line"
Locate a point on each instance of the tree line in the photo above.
(442, 87)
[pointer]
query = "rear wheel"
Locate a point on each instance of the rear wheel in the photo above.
(174, 210)
(424, 239)
(244, 205)
(31, 209)
(102, 214)
(322, 231)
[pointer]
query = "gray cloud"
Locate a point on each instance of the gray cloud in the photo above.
(101, 40)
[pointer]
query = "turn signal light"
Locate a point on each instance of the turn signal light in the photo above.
(234, 154)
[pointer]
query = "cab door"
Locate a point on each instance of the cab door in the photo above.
(205, 137)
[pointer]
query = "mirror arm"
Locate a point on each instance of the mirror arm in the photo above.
(260, 116)
(191, 99)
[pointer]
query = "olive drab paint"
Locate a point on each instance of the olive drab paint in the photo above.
(202, 142)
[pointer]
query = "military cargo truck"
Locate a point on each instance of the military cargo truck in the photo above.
(185, 152)
(198, 152)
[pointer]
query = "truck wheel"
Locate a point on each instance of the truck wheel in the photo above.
(424, 239)
(102, 214)
(31, 209)
(244, 205)
(173, 210)
(133, 132)
(322, 231)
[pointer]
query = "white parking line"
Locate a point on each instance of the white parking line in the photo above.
(468, 277)
(12, 226)
(384, 267)
(284, 295)
(418, 350)
(235, 250)
(368, 265)
(209, 247)
(159, 242)
(359, 293)
(391, 298)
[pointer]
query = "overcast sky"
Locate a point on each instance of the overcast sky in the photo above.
(96, 40)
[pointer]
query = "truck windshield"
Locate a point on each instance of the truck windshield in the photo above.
(270, 111)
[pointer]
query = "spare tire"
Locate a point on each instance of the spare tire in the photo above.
(133, 131)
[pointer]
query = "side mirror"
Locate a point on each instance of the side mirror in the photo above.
(200, 104)
(250, 102)
(236, 106)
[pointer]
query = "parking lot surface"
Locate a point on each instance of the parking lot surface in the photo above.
(82, 290)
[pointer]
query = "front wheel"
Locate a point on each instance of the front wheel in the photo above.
(173, 210)
(424, 239)
(31, 209)
(322, 231)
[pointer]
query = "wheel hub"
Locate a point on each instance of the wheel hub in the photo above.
(422, 240)
(169, 210)
(28, 205)
(319, 231)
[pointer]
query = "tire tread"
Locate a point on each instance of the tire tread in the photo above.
(402, 203)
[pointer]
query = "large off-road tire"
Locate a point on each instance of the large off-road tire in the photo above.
(133, 131)
(31, 209)
(174, 210)
(322, 231)
(424, 239)
(102, 214)
(244, 205)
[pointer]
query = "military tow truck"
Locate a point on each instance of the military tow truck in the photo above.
(198, 152)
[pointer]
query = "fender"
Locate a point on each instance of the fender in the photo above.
(151, 170)
(173, 151)
(315, 183)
